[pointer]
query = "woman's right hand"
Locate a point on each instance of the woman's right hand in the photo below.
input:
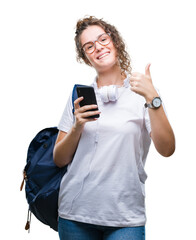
(82, 114)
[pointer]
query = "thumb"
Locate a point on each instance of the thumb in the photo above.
(147, 69)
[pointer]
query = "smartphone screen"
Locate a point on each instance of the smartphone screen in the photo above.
(89, 97)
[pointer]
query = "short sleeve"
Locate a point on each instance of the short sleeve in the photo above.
(67, 118)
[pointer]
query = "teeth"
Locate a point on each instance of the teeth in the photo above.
(103, 55)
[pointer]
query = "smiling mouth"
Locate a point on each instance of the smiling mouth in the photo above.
(103, 55)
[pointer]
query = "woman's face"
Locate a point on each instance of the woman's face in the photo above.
(104, 57)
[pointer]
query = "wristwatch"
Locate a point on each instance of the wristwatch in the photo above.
(156, 103)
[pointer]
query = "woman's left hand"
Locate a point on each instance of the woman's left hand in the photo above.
(142, 84)
(161, 131)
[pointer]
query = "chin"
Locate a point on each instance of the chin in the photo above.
(106, 65)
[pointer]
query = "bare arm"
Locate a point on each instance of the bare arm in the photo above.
(66, 143)
(162, 133)
(65, 147)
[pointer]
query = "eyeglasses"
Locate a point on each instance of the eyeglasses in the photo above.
(103, 39)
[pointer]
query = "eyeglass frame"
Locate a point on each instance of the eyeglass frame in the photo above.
(109, 34)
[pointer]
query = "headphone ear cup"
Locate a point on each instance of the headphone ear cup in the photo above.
(112, 93)
(104, 94)
(109, 93)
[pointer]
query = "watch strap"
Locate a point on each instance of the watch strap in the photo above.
(148, 105)
(151, 105)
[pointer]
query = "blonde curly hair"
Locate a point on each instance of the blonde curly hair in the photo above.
(123, 56)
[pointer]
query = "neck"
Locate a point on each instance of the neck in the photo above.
(110, 77)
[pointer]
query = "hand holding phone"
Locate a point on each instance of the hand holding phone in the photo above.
(88, 93)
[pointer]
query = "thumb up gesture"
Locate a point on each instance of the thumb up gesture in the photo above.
(142, 84)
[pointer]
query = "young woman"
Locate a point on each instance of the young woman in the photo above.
(102, 195)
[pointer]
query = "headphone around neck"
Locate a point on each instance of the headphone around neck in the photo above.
(109, 93)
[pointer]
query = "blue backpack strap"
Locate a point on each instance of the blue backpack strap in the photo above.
(75, 95)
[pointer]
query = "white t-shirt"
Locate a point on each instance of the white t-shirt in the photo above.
(104, 183)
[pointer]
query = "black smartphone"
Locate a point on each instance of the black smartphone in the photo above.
(89, 97)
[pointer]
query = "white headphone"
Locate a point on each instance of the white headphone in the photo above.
(109, 93)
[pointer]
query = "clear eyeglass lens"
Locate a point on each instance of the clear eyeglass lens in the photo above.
(89, 47)
(104, 39)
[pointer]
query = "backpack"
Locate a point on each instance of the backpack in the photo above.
(42, 177)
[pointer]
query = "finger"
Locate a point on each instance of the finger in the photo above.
(89, 114)
(135, 85)
(134, 89)
(90, 119)
(136, 74)
(134, 79)
(147, 69)
(131, 83)
(87, 108)
(77, 101)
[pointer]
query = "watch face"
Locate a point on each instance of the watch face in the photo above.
(156, 102)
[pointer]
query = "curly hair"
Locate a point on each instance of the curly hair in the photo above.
(123, 56)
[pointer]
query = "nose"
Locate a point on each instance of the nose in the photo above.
(98, 46)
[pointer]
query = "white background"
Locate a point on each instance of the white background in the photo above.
(38, 69)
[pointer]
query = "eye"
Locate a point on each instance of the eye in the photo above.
(103, 39)
(89, 46)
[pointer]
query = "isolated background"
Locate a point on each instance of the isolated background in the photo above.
(37, 72)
